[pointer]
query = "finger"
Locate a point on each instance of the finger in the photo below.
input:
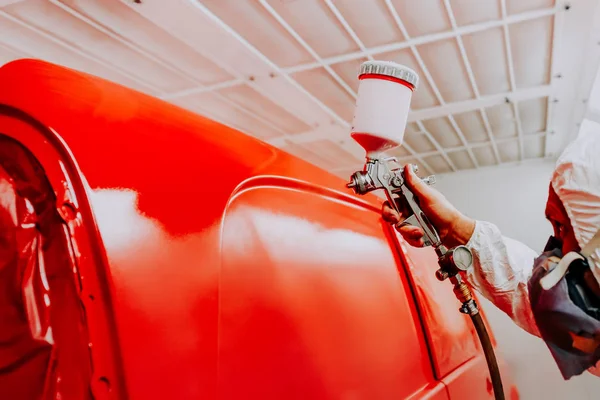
(389, 210)
(420, 188)
(413, 235)
(389, 214)
(416, 242)
(411, 232)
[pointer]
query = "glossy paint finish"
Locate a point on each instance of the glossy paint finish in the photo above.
(320, 299)
(73, 257)
(222, 267)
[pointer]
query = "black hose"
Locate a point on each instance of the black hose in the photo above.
(490, 357)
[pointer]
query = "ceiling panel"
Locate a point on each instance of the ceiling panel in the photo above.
(418, 142)
(442, 132)
(285, 71)
(33, 44)
(330, 151)
(412, 127)
(472, 125)
(423, 17)
(255, 23)
(320, 83)
(301, 151)
(533, 115)
(467, 13)
(481, 47)
(50, 18)
(211, 104)
(485, 156)
(123, 21)
(531, 47)
(509, 151)
(253, 101)
(348, 71)
(399, 152)
(438, 163)
(8, 54)
(533, 147)
(191, 22)
(450, 75)
(314, 21)
(520, 6)
(373, 24)
(502, 120)
(461, 159)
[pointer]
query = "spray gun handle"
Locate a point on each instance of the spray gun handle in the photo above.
(406, 200)
(378, 175)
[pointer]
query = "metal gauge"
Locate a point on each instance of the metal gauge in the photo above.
(462, 257)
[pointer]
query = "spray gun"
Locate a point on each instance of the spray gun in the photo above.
(384, 94)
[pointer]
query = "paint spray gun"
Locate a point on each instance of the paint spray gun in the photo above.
(383, 102)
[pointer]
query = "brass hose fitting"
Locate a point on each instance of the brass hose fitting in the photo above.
(462, 291)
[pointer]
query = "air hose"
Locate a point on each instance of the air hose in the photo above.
(469, 306)
(490, 356)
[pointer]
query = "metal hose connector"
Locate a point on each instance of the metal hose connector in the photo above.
(462, 291)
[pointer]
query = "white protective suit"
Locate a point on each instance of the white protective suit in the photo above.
(502, 266)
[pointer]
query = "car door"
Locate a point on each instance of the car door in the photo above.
(456, 352)
(312, 303)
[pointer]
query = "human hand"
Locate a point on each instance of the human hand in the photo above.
(453, 227)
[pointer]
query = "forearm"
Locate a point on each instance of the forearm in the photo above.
(501, 269)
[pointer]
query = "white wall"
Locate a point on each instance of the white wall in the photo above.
(514, 198)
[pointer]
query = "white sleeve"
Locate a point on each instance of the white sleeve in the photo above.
(500, 271)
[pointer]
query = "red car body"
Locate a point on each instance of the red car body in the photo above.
(165, 256)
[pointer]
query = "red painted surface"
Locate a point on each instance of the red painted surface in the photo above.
(216, 266)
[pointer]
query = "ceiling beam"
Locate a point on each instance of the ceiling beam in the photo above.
(224, 48)
(405, 159)
(427, 113)
(48, 36)
(511, 76)
(438, 147)
(483, 102)
(417, 41)
(203, 89)
(557, 27)
(268, 63)
(120, 39)
(471, 76)
(306, 47)
(424, 69)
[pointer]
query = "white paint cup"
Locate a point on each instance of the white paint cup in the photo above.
(384, 94)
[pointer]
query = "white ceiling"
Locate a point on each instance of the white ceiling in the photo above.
(502, 81)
